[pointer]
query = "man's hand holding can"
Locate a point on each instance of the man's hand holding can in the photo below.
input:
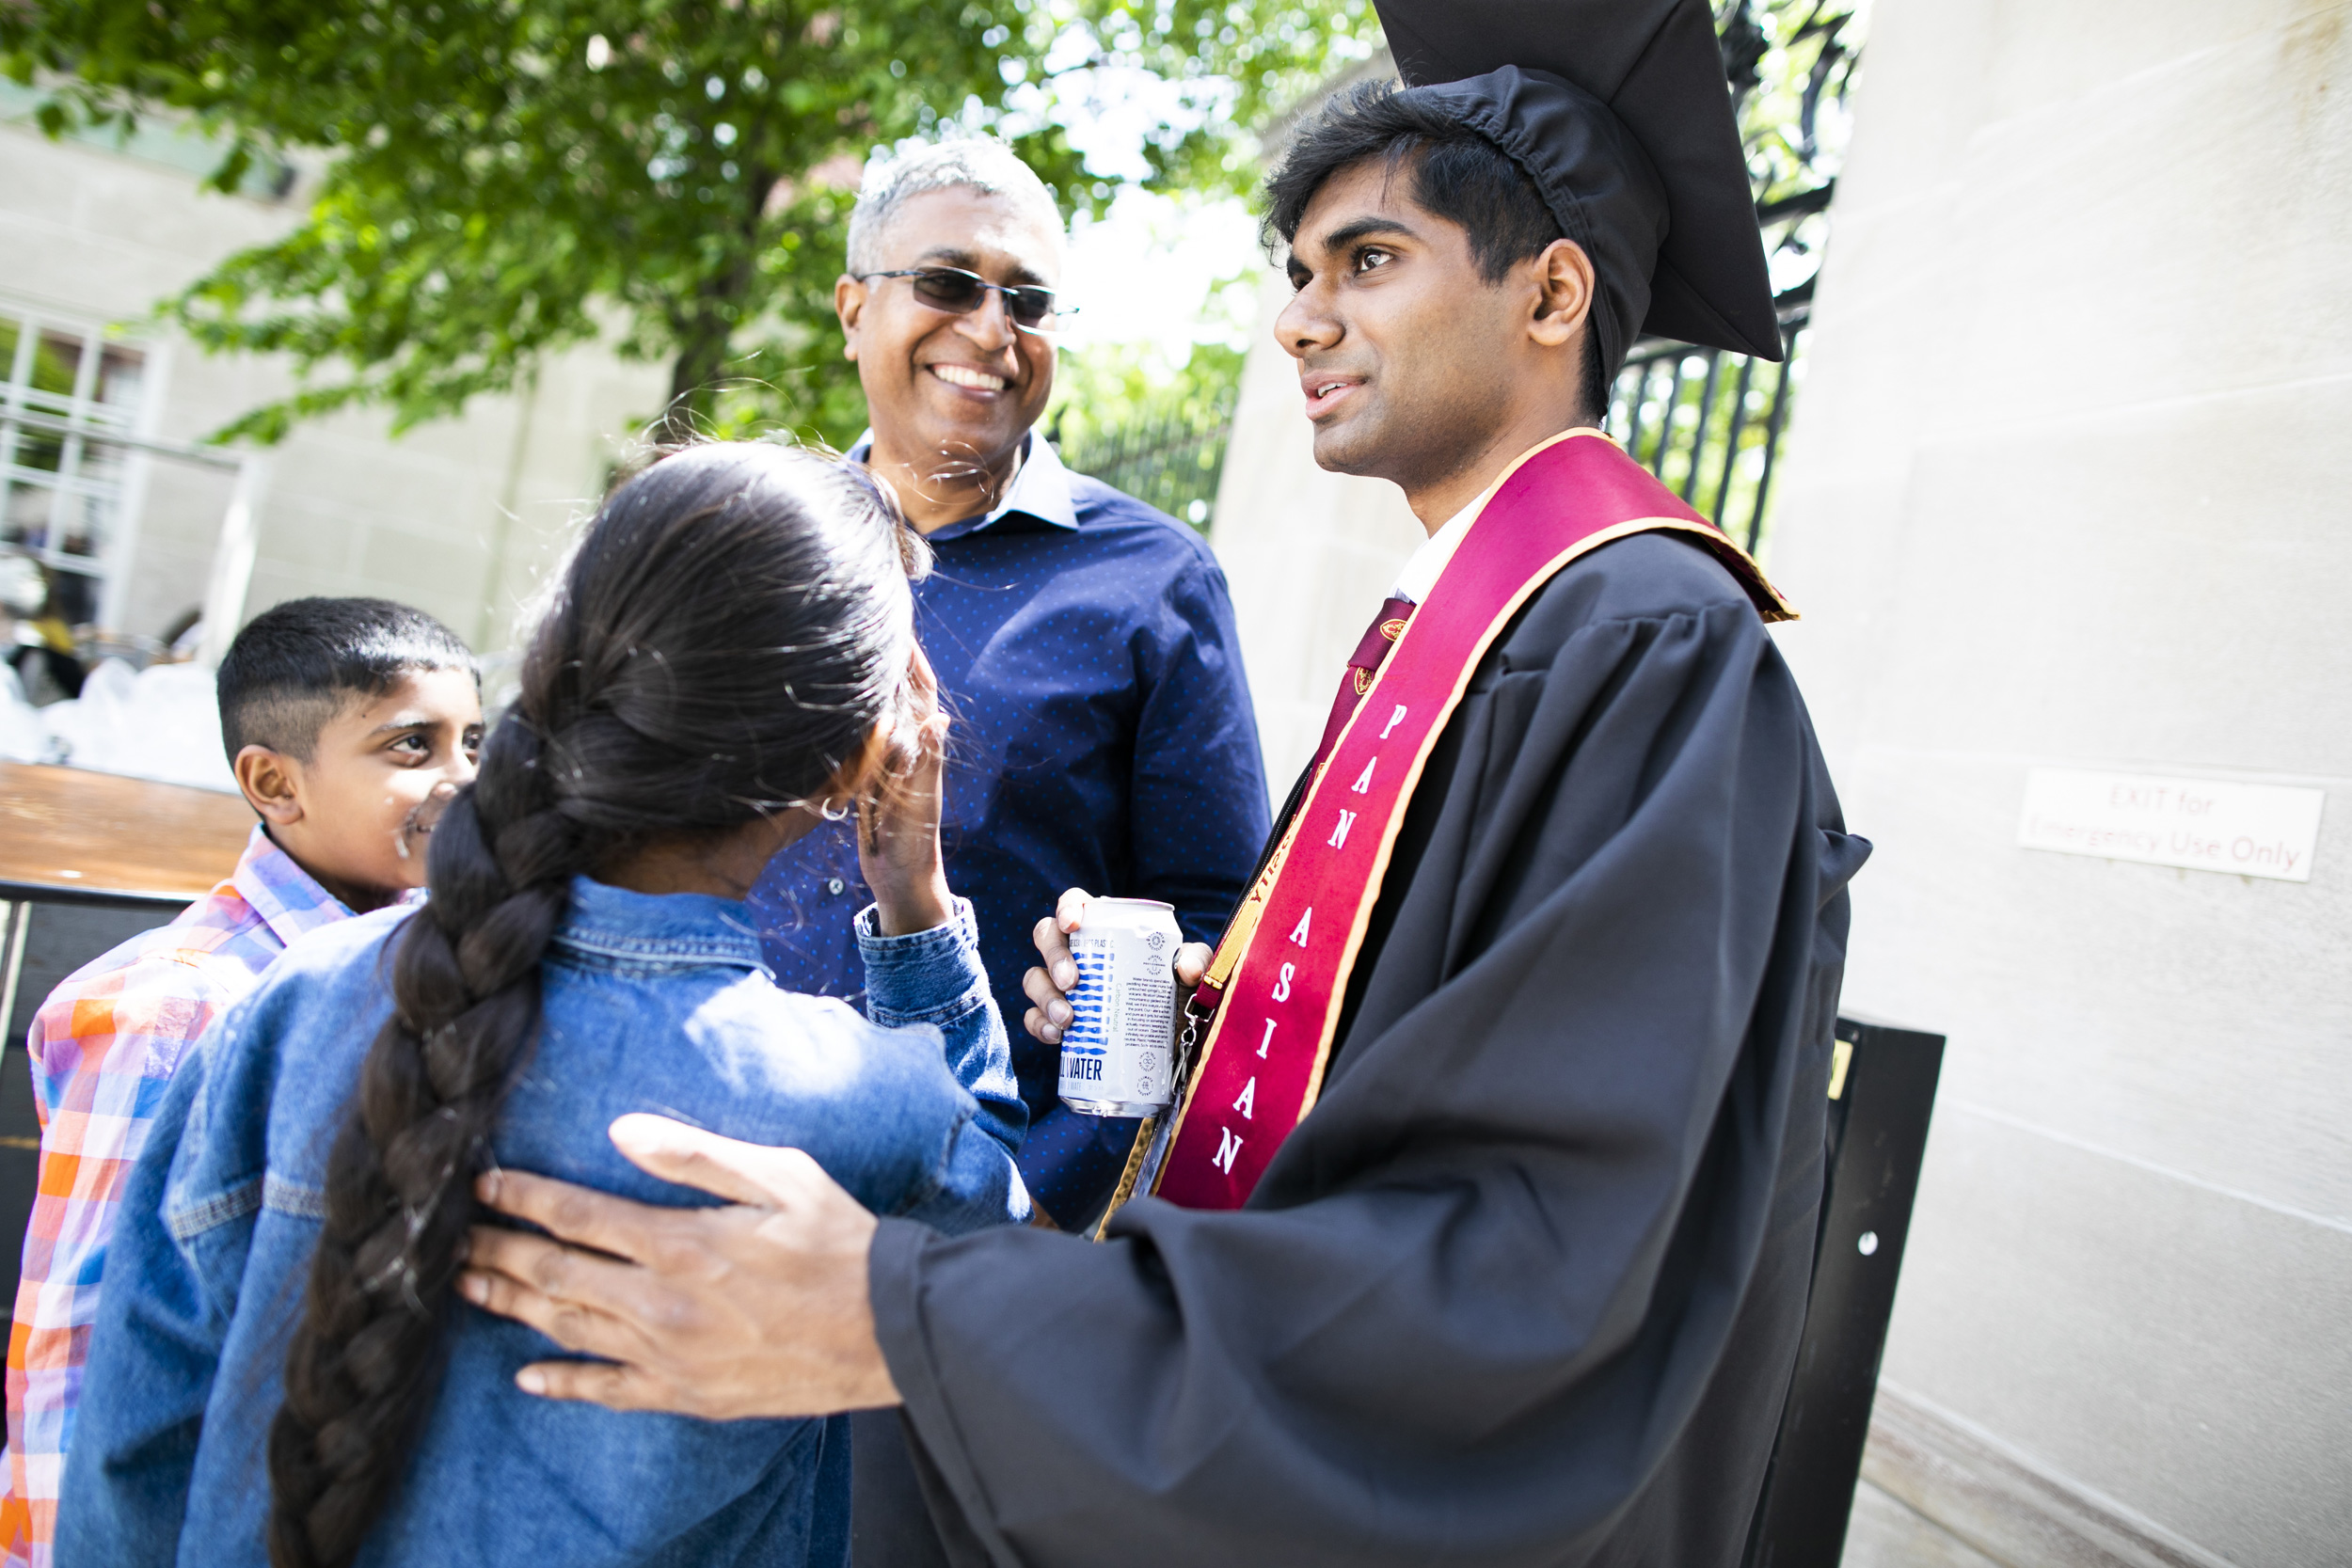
(1058, 995)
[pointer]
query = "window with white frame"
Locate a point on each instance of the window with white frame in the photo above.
(69, 482)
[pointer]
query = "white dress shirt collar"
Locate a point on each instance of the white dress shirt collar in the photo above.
(1040, 488)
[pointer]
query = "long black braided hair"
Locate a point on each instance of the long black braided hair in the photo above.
(732, 628)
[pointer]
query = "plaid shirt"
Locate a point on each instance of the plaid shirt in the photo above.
(103, 1048)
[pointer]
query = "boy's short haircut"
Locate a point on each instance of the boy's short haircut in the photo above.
(295, 666)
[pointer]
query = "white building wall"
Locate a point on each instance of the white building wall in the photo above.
(2067, 485)
(458, 518)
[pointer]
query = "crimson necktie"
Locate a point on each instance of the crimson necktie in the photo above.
(1379, 638)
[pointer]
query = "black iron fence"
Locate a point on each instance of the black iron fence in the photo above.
(1708, 424)
(1172, 459)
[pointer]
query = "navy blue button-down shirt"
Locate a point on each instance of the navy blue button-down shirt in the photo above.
(1103, 739)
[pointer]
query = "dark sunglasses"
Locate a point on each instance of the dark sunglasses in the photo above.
(960, 293)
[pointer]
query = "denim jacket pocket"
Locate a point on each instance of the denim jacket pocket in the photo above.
(214, 1232)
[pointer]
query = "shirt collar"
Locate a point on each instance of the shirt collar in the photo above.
(1428, 562)
(1423, 568)
(288, 898)
(658, 927)
(1041, 489)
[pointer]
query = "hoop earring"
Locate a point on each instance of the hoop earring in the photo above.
(824, 808)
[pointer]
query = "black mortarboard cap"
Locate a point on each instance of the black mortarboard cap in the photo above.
(1618, 111)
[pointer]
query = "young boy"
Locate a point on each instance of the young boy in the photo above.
(350, 723)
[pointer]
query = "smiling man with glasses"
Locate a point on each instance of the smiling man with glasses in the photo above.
(1085, 642)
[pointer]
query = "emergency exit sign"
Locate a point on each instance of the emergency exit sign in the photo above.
(2203, 824)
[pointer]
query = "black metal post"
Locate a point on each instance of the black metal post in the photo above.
(1882, 1096)
(1772, 441)
(1633, 408)
(1706, 412)
(1666, 421)
(1739, 422)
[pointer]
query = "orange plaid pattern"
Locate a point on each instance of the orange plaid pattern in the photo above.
(103, 1048)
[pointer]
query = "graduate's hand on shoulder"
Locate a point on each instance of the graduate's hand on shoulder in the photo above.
(1049, 985)
(757, 1309)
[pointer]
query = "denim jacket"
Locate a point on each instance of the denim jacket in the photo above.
(649, 1004)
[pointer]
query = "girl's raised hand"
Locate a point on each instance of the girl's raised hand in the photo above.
(897, 830)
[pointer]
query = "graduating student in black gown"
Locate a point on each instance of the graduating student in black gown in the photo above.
(1526, 1284)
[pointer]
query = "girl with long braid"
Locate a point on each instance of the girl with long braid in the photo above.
(282, 1371)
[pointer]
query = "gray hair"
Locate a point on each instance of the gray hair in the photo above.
(974, 162)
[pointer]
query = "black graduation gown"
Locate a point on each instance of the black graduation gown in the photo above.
(1526, 1284)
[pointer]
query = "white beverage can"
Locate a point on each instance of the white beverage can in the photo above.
(1116, 1055)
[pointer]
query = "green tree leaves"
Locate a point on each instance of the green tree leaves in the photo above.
(504, 179)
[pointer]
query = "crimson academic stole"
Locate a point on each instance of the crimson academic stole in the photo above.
(1280, 974)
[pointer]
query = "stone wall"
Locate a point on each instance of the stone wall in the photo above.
(2067, 486)
(459, 517)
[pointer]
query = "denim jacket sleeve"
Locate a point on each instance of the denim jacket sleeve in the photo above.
(935, 977)
(154, 1351)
